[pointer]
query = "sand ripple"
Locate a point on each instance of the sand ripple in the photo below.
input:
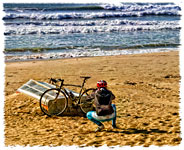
(147, 100)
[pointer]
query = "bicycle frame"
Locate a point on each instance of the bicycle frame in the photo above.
(61, 87)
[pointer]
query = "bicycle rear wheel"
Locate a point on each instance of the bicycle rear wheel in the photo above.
(86, 100)
(53, 102)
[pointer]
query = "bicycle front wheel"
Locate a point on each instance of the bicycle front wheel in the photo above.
(86, 100)
(53, 102)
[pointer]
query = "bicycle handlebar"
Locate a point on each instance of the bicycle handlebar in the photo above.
(56, 80)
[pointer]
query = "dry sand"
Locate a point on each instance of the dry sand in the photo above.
(147, 99)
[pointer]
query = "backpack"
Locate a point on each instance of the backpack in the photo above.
(103, 97)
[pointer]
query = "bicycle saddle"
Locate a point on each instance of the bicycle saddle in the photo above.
(85, 77)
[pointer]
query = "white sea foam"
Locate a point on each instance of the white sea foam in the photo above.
(89, 15)
(87, 53)
(90, 27)
(140, 7)
(104, 22)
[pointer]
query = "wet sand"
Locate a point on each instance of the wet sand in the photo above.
(146, 87)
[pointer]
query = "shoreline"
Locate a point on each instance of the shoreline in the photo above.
(39, 58)
(146, 87)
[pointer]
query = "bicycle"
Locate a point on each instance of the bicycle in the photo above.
(54, 101)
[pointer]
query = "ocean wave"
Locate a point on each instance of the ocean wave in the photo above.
(67, 49)
(48, 7)
(89, 15)
(54, 9)
(115, 22)
(81, 53)
(141, 6)
(32, 30)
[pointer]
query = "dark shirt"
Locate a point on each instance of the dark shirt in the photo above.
(103, 101)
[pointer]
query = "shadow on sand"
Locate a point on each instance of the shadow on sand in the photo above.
(137, 131)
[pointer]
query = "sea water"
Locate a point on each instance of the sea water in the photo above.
(51, 31)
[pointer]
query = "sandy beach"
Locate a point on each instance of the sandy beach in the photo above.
(146, 87)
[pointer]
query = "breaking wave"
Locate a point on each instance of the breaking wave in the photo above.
(87, 15)
(89, 27)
